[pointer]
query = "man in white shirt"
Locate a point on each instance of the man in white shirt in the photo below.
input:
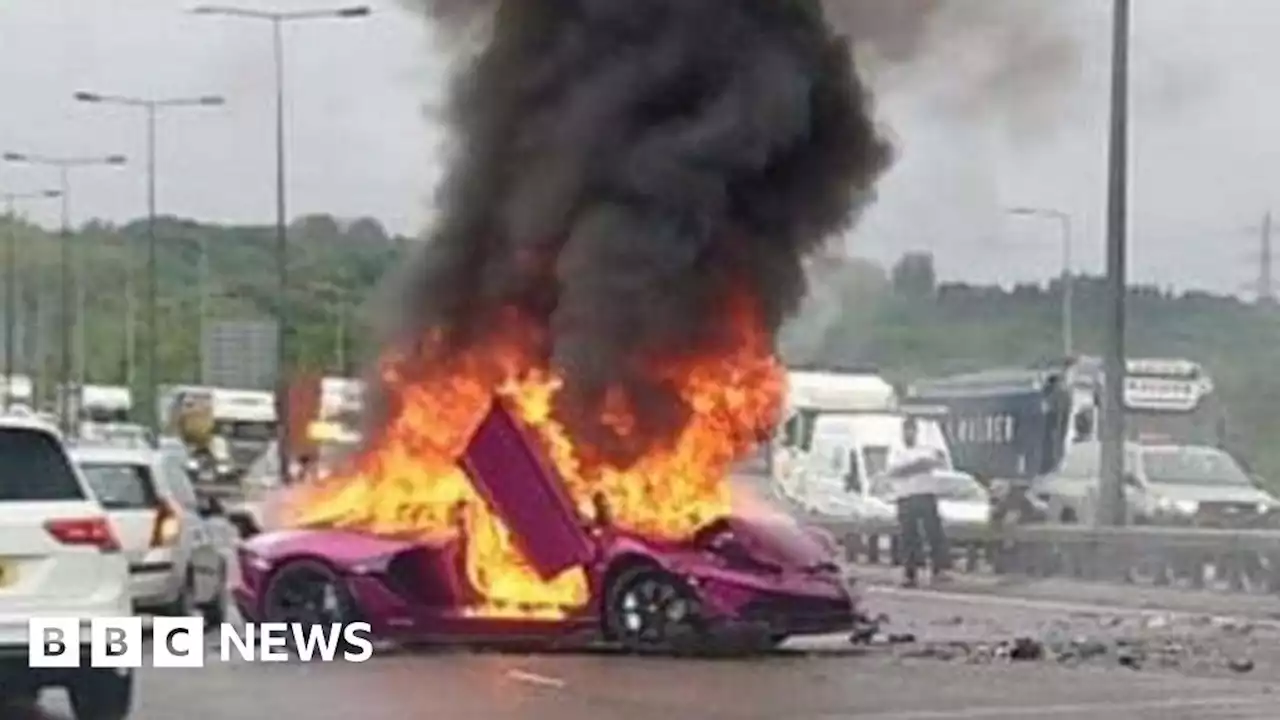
(915, 488)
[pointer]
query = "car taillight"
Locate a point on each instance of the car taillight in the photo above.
(165, 530)
(95, 532)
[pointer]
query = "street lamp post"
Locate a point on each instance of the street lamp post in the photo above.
(64, 165)
(1111, 493)
(278, 19)
(1068, 281)
(151, 108)
(11, 200)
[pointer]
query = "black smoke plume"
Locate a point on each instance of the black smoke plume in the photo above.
(622, 168)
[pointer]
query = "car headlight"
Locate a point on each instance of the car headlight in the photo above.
(1264, 508)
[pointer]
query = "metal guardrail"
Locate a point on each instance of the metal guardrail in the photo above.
(1201, 558)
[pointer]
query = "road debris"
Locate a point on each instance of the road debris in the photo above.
(1155, 642)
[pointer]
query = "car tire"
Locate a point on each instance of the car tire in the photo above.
(19, 696)
(320, 591)
(101, 694)
(650, 611)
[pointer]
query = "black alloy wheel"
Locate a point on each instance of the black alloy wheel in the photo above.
(650, 611)
(308, 593)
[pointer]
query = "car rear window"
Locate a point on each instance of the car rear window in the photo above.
(121, 486)
(34, 467)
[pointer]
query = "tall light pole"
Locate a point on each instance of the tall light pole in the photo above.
(1068, 282)
(150, 107)
(64, 165)
(277, 20)
(11, 200)
(1111, 504)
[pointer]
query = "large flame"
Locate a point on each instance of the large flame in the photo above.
(407, 483)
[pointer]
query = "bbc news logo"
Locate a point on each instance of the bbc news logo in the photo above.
(180, 642)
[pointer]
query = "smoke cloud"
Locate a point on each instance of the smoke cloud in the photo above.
(1010, 60)
(622, 168)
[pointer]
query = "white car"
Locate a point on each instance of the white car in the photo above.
(175, 563)
(59, 557)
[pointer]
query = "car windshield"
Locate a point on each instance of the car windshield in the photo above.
(1193, 466)
(876, 459)
(120, 486)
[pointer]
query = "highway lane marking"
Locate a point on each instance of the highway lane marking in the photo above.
(535, 679)
(1026, 711)
(1067, 607)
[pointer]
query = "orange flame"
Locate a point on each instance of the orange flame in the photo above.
(408, 483)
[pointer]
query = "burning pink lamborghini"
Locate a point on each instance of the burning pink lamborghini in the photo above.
(739, 579)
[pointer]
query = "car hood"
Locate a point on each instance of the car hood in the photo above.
(781, 541)
(1211, 493)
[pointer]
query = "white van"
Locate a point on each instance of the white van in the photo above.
(845, 472)
(812, 394)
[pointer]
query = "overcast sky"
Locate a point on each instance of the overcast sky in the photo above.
(1206, 148)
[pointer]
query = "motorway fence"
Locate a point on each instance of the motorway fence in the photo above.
(1198, 558)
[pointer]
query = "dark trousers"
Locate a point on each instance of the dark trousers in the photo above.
(919, 522)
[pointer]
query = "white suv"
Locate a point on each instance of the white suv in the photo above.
(59, 556)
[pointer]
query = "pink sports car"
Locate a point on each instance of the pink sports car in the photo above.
(739, 579)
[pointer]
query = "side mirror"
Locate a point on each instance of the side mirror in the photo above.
(1131, 480)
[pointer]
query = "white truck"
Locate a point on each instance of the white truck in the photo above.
(812, 394)
(234, 425)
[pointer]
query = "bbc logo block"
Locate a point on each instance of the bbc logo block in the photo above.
(180, 642)
(54, 642)
(114, 642)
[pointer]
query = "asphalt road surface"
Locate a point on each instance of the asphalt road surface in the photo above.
(953, 671)
(589, 687)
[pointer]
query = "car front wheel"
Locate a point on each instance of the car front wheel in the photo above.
(101, 694)
(652, 611)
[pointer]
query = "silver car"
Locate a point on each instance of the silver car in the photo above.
(1163, 484)
(167, 533)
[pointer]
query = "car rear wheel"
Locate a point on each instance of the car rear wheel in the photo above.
(310, 594)
(18, 696)
(101, 694)
(651, 611)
